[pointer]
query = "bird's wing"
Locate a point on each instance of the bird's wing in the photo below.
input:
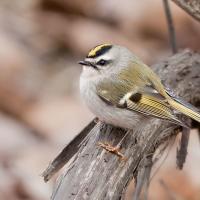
(150, 105)
(144, 99)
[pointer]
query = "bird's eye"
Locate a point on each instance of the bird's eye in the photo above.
(102, 62)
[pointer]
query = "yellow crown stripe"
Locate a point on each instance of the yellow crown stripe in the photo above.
(97, 48)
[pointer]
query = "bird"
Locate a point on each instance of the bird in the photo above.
(121, 90)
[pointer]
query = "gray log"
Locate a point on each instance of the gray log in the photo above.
(99, 175)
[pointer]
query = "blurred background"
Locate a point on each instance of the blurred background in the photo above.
(40, 107)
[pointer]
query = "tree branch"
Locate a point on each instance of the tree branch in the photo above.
(67, 153)
(143, 178)
(192, 7)
(170, 24)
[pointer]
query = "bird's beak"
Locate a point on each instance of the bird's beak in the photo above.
(83, 62)
(87, 63)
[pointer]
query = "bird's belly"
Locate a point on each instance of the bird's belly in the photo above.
(107, 113)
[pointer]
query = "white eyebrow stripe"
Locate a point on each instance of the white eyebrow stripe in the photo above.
(103, 57)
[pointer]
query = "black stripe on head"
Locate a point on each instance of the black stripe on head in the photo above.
(99, 50)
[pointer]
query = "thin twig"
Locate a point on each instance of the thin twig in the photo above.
(181, 153)
(170, 24)
(67, 153)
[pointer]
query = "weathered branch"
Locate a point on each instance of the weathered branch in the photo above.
(97, 174)
(192, 7)
(67, 153)
(143, 176)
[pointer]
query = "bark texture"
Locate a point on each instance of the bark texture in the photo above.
(97, 174)
(192, 7)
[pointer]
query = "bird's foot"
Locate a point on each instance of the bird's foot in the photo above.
(115, 150)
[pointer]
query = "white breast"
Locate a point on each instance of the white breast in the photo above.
(116, 116)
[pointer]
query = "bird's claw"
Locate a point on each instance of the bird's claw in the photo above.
(115, 150)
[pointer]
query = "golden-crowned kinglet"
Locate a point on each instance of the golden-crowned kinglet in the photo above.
(121, 90)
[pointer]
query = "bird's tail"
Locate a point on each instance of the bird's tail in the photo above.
(185, 108)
